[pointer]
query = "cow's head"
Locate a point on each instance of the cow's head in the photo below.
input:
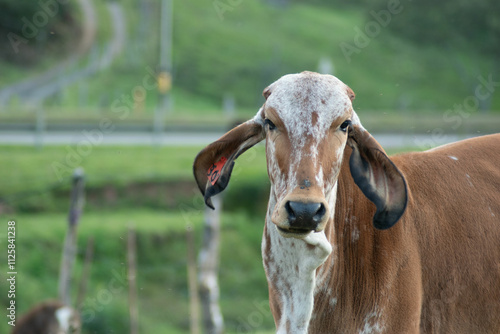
(307, 120)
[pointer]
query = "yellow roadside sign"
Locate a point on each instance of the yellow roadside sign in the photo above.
(164, 82)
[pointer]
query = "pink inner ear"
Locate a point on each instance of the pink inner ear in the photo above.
(350, 93)
(214, 171)
(266, 92)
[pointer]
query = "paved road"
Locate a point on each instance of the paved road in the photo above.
(95, 137)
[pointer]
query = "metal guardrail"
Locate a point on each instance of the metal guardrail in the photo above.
(146, 127)
(377, 122)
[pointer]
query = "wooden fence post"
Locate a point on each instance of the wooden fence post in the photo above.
(208, 260)
(70, 243)
(194, 302)
(82, 290)
(132, 282)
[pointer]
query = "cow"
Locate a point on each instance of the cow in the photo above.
(49, 317)
(358, 242)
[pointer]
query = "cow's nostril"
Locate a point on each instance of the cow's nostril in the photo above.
(304, 215)
(290, 211)
(320, 213)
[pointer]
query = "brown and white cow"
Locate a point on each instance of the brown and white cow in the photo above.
(335, 259)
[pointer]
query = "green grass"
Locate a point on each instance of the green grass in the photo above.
(103, 164)
(390, 73)
(28, 188)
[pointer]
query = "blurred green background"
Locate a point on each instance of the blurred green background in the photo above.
(88, 68)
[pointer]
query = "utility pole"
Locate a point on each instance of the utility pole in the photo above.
(194, 301)
(165, 70)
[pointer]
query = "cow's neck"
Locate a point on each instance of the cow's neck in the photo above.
(290, 266)
(306, 276)
(354, 279)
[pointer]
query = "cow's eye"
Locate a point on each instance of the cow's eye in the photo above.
(345, 125)
(270, 124)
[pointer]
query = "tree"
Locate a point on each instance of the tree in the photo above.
(28, 29)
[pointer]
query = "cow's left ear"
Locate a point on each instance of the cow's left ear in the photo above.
(213, 165)
(377, 177)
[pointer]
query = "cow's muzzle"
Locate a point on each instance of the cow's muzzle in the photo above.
(306, 216)
(303, 218)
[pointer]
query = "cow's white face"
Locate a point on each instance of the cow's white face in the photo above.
(307, 117)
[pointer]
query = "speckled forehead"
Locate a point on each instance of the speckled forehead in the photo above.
(296, 97)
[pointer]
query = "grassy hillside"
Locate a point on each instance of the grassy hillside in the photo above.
(242, 50)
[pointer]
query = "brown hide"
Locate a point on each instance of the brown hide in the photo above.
(438, 269)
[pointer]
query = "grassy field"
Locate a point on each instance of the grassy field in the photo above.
(35, 189)
(103, 164)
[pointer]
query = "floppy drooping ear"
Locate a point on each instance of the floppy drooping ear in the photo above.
(377, 177)
(213, 165)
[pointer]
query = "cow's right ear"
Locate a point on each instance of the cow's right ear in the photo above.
(213, 165)
(378, 177)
